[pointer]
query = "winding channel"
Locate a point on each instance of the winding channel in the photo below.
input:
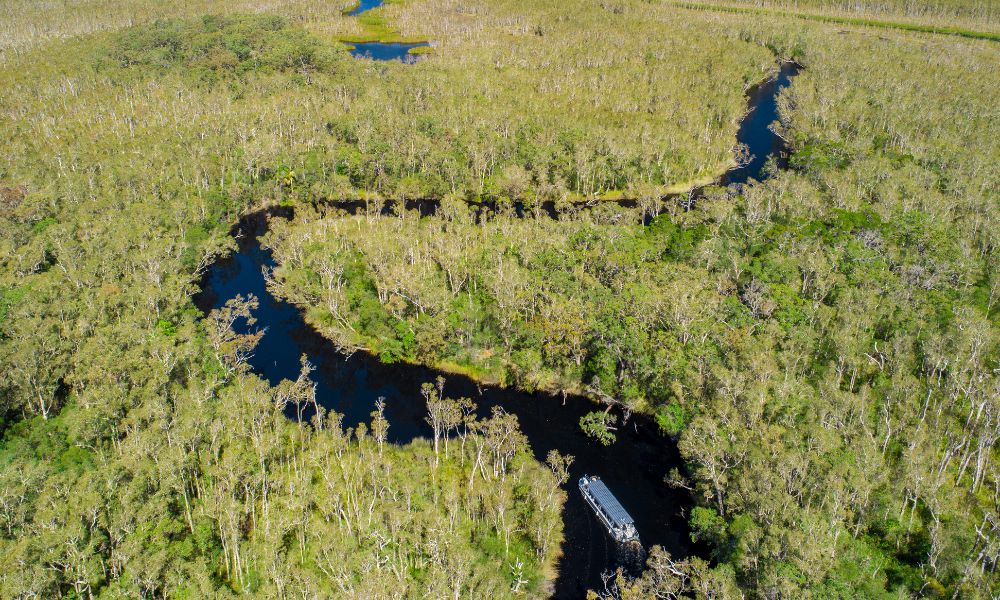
(633, 467)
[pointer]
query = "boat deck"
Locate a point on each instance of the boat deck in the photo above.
(614, 516)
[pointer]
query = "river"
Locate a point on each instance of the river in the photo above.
(755, 129)
(633, 467)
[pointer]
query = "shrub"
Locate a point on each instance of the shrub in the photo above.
(215, 47)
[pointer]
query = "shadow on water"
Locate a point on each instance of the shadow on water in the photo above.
(633, 467)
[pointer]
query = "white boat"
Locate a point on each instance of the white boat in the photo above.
(614, 516)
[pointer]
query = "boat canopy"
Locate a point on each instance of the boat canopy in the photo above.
(614, 516)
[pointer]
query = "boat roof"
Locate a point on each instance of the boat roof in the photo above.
(603, 496)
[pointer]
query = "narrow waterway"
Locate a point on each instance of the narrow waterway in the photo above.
(633, 467)
(755, 130)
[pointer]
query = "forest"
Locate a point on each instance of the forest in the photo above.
(823, 346)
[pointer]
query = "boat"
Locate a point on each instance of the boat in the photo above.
(607, 508)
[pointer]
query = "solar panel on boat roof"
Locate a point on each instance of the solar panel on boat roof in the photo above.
(610, 504)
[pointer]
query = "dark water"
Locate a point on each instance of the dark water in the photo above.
(755, 129)
(633, 467)
(364, 5)
(386, 51)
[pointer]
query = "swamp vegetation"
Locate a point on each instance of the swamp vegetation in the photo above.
(822, 346)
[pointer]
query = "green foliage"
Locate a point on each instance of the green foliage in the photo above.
(670, 418)
(820, 156)
(166, 328)
(8, 297)
(600, 426)
(194, 237)
(679, 243)
(707, 526)
(217, 47)
(42, 225)
(400, 346)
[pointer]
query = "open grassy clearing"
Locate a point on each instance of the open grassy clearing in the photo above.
(848, 20)
(973, 14)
